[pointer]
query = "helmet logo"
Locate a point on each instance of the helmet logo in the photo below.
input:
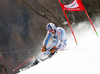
(49, 27)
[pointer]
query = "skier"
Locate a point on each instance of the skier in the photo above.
(59, 42)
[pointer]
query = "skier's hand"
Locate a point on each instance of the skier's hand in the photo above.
(44, 48)
(53, 49)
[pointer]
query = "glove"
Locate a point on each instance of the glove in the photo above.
(53, 49)
(44, 48)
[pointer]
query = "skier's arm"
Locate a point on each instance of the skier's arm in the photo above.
(60, 32)
(46, 39)
(58, 41)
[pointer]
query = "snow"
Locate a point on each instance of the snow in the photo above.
(83, 58)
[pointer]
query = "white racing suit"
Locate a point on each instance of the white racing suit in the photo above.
(60, 41)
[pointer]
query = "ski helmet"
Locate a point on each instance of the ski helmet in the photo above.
(51, 26)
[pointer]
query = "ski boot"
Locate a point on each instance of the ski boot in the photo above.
(35, 63)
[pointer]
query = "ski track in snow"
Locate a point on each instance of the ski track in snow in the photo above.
(83, 58)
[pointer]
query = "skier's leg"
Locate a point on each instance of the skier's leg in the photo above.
(63, 46)
(51, 46)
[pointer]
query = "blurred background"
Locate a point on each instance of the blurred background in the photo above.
(23, 27)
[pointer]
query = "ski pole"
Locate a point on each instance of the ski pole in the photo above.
(26, 61)
(23, 63)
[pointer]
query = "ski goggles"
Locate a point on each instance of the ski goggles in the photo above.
(51, 30)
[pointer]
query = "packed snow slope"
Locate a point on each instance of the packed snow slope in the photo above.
(83, 58)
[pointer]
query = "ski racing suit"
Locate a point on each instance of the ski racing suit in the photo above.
(59, 40)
